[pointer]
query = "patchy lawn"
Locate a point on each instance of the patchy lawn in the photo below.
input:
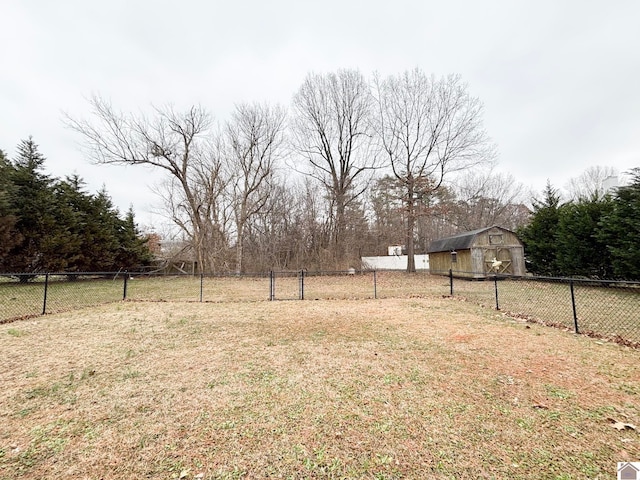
(380, 389)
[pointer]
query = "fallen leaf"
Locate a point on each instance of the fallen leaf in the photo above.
(624, 426)
(621, 425)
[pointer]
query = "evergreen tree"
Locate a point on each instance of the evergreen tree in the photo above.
(133, 250)
(105, 233)
(50, 225)
(75, 210)
(620, 230)
(580, 251)
(99, 240)
(540, 236)
(9, 236)
(32, 201)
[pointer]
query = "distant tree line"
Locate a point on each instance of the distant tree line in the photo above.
(594, 235)
(351, 167)
(53, 225)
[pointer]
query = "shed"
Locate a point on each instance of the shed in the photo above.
(472, 254)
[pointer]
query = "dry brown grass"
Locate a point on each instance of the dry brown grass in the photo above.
(394, 388)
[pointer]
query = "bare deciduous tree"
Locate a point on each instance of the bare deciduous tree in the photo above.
(331, 129)
(428, 129)
(589, 185)
(174, 142)
(208, 186)
(485, 198)
(255, 137)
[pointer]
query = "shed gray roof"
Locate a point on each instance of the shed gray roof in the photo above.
(461, 241)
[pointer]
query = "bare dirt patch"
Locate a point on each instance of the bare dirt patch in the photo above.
(394, 388)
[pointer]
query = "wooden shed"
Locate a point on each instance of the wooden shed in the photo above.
(472, 254)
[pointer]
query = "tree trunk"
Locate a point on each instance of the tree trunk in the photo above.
(411, 222)
(340, 229)
(240, 247)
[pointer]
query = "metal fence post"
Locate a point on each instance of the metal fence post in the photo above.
(201, 282)
(375, 285)
(46, 289)
(272, 286)
(451, 282)
(124, 288)
(301, 285)
(573, 304)
(495, 281)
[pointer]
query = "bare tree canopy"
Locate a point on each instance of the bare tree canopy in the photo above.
(179, 143)
(589, 185)
(331, 130)
(255, 137)
(488, 197)
(428, 128)
(220, 183)
(165, 141)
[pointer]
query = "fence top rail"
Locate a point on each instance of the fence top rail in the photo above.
(456, 273)
(471, 275)
(575, 280)
(42, 274)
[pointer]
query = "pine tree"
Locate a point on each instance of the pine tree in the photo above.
(74, 210)
(133, 250)
(9, 236)
(49, 225)
(102, 244)
(620, 230)
(33, 203)
(540, 236)
(580, 252)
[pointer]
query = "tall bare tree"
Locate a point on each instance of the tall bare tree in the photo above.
(208, 188)
(428, 128)
(331, 129)
(487, 197)
(278, 237)
(255, 139)
(175, 142)
(590, 184)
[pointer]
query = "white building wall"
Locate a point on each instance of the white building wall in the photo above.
(394, 262)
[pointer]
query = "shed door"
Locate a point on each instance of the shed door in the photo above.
(503, 261)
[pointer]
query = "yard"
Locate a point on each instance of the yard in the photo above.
(425, 387)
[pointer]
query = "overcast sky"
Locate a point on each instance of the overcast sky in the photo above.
(559, 79)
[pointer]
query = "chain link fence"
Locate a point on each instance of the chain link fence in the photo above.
(599, 308)
(603, 309)
(28, 295)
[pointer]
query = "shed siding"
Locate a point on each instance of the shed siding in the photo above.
(484, 239)
(441, 262)
(477, 255)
